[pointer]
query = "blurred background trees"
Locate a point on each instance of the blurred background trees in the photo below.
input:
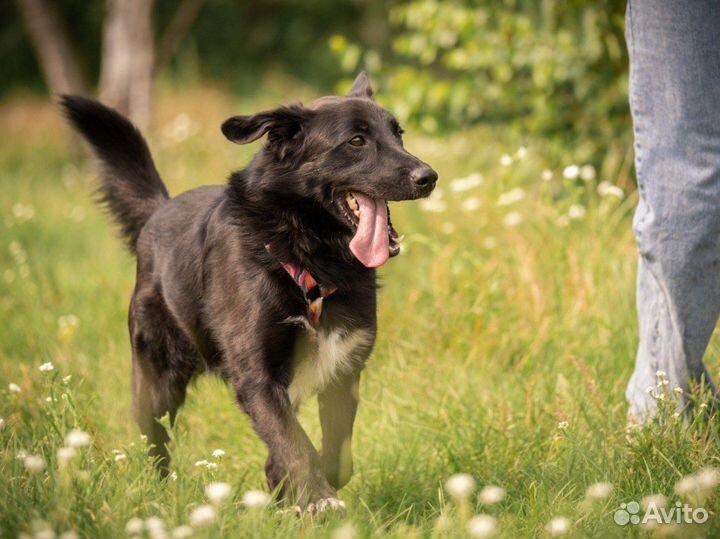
(557, 68)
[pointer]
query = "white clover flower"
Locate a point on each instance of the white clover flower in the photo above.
(255, 499)
(34, 463)
(599, 491)
(571, 172)
(491, 494)
(546, 175)
(66, 454)
(513, 218)
(558, 526)
(587, 173)
(211, 466)
(458, 185)
(46, 367)
(201, 515)
(217, 492)
(577, 211)
(218, 453)
(506, 160)
(471, 204)
(346, 531)
(511, 197)
(460, 486)
(134, 526)
(77, 438)
(481, 526)
(521, 152)
(14, 388)
(199, 463)
(182, 532)
(563, 425)
(606, 189)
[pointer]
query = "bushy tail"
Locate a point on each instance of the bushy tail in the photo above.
(131, 187)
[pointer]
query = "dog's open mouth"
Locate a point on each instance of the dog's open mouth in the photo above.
(375, 239)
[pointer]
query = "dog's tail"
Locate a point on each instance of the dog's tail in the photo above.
(131, 187)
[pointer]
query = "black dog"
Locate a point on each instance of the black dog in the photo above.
(268, 281)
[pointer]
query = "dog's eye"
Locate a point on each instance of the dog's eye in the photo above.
(357, 140)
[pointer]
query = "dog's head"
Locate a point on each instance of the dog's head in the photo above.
(346, 154)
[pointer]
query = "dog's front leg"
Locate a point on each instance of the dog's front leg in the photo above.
(294, 466)
(338, 405)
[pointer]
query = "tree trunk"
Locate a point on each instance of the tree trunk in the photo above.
(127, 58)
(52, 46)
(178, 28)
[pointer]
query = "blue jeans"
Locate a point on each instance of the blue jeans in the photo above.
(674, 48)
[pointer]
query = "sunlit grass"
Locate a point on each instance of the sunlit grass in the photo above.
(507, 335)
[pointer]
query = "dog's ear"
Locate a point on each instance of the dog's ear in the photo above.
(285, 128)
(361, 87)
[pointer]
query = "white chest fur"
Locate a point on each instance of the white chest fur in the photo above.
(320, 360)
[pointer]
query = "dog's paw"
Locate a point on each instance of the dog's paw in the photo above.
(320, 506)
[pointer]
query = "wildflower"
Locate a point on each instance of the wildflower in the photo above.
(65, 454)
(217, 493)
(46, 367)
(661, 375)
(558, 526)
(606, 189)
(14, 388)
(546, 175)
(218, 453)
(587, 173)
(34, 463)
(491, 494)
(20, 455)
(513, 219)
(255, 499)
(563, 425)
(460, 486)
(489, 243)
(471, 204)
(698, 484)
(678, 391)
(134, 526)
(199, 463)
(66, 379)
(505, 160)
(511, 197)
(459, 185)
(599, 491)
(120, 456)
(201, 515)
(481, 526)
(182, 532)
(571, 172)
(521, 152)
(67, 325)
(577, 211)
(346, 531)
(211, 466)
(77, 438)
(173, 476)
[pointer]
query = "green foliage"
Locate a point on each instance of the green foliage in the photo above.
(548, 67)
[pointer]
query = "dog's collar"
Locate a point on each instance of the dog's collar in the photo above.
(313, 292)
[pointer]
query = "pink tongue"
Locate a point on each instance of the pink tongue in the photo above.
(370, 244)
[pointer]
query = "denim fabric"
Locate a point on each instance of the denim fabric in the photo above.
(674, 48)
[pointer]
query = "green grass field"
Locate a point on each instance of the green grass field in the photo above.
(507, 335)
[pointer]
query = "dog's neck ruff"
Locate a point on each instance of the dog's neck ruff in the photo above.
(313, 292)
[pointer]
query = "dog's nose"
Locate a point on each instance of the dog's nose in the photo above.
(424, 176)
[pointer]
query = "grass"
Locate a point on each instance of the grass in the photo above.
(493, 334)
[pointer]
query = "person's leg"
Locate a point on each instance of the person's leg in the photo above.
(675, 100)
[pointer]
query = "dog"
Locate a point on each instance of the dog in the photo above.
(268, 281)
